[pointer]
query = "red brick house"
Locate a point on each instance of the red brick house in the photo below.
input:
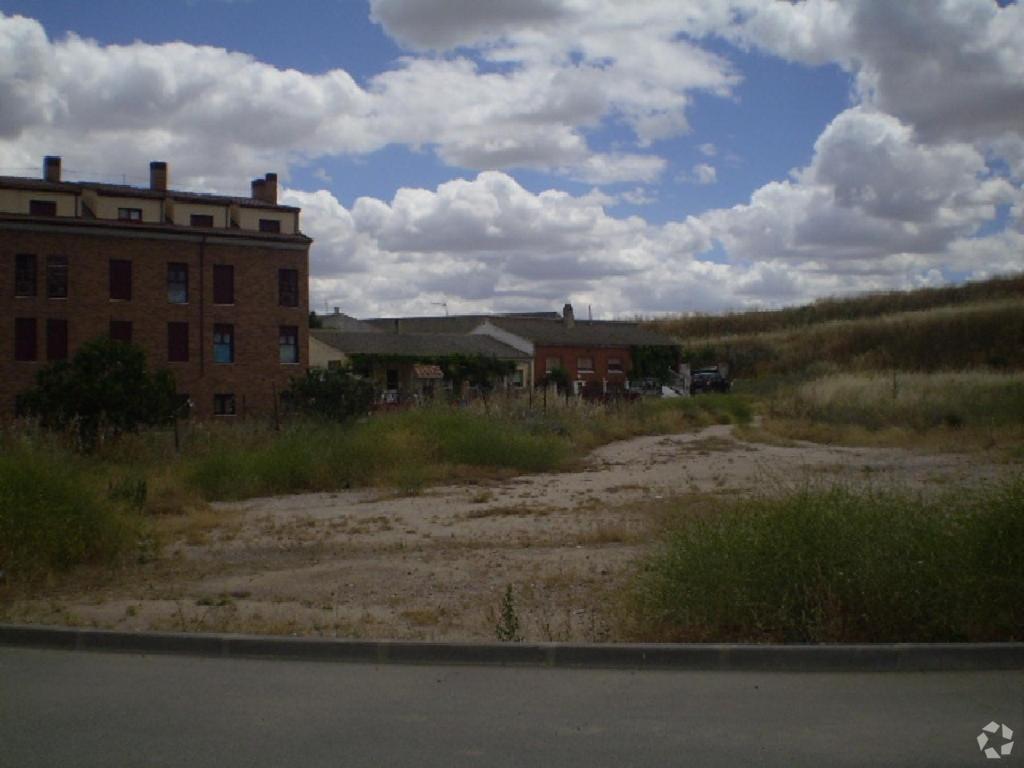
(213, 288)
(598, 353)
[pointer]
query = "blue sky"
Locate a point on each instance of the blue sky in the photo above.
(650, 157)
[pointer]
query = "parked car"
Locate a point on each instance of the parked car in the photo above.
(708, 380)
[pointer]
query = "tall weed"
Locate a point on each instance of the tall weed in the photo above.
(54, 513)
(840, 565)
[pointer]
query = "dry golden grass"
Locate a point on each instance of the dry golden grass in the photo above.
(196, 526)
(959, 411)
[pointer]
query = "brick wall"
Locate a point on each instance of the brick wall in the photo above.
(257, 371)
(599, 355)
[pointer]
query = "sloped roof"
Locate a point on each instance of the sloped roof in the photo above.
(544, 328)
(417, 344)
(339, 321)
(449, 324)
(585, 333)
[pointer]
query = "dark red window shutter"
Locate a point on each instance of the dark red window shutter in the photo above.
(121, 330)
(56, 339)
(120, 279)
(25, 275)
(223, 284)
(177, 342)
(24, 338)
(288, 287)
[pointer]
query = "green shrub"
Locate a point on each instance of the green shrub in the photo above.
(333, 394)
(53, 514)
(838, 565)
(104, 388)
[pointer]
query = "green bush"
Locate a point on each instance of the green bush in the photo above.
(407, 450)
(104, 388)
(53, 514)
(839, 565)
(333, 394)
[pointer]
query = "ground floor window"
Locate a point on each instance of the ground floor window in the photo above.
(288, 343)
(25, 338)
(121, 330)
(224, 404)
(56, 339)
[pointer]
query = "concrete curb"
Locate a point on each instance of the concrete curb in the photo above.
(896, 657)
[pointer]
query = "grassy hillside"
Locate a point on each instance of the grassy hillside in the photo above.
(972, 326)
(853, 308)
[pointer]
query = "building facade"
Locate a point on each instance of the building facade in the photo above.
(597, 355)
(213, 288)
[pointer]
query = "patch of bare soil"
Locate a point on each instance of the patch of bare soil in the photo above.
(362, 564)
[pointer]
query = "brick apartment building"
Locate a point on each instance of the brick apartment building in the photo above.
(213, 288)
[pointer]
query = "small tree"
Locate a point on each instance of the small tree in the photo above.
(329, 393)
(104, 388)
(559, 377)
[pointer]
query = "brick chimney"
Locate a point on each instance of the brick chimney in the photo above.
(51, 168)
(568, 318)
(265, 189)
(158, 176)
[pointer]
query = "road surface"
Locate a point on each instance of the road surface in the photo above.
(66, 708)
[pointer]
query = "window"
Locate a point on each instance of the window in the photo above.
(129, 214)
(270, 225)
(121, 330)
(223, 343)
(288, 287)
(614, 365)
(551, 363)
(224, 405)
(223, 284)
(25, 274)
(200, 220)
(177, 342)
(56, 277)
(177, 283)
(518, 377)
(25, 338)
(120, 280)
(585, 364)
(42, 208)
(56, 339)
(288, 343)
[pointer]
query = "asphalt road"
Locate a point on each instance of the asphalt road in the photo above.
(65, 708)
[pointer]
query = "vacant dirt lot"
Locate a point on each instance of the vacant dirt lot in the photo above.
(435, 566)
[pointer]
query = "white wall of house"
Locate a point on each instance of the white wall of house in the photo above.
(488, 328)
(322, 355)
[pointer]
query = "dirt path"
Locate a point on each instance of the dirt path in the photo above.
(434, 566)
